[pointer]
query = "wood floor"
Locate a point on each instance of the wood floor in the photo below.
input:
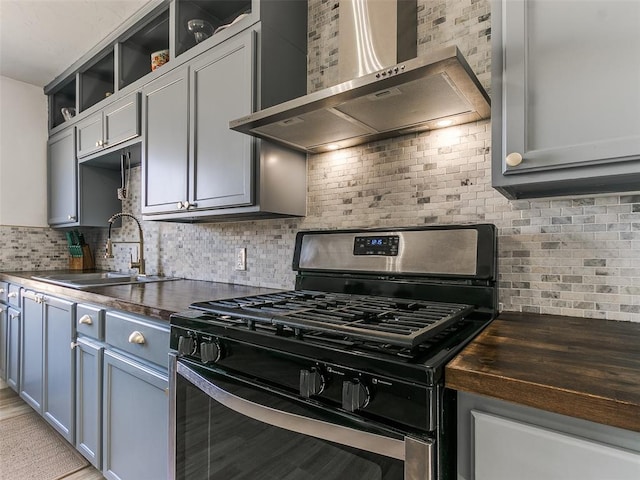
(13, 405)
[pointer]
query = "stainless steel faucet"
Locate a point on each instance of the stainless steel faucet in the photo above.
(109, 247)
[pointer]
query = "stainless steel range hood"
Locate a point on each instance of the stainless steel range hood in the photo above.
(431, 91)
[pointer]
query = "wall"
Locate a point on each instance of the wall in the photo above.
(23, 139)
(23, 188)
(573, 256)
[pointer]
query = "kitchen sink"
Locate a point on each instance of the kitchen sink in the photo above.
(98, 279)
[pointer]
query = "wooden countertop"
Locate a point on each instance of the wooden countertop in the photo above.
(154, 299)
(579, 367)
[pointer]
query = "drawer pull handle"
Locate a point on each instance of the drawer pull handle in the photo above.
(1, 291)
(136, 337)
(85, 320)
(12, 295)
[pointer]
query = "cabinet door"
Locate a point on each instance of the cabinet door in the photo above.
(62, 179)
(89, 400)
(505, 449)
(122, 120)
(31, 357)
(59, 365)
(90, 138)
(135, 419)
(4, 317)
(568, 107)
(221, 160)
(13, 348)
(165, 142)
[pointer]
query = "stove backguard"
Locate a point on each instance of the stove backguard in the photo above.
(456, 264)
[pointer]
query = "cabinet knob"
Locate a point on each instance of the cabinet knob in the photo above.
(12, 295)
(71, 217)
(513, 159)
(187, 205)
(85, 320)
(1, 310)
(136, 337)
(1, 291)
(13, 316)
(179, 205)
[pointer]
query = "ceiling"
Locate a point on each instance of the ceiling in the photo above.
(39, 39)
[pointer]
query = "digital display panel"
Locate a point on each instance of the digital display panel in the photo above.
(376, 245)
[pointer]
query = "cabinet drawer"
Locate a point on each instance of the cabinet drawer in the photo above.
(90, 321)
(4, 290)
(13, 295)
(145, 338)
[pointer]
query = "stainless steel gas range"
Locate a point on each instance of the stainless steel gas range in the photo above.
(343, 377)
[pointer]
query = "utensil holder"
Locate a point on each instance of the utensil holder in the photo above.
(85, 262)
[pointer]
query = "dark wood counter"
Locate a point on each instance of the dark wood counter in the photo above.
(580, 367)
(155, 299)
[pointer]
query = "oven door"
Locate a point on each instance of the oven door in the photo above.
(224, 428)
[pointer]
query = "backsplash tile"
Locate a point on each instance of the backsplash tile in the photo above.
(574, 256)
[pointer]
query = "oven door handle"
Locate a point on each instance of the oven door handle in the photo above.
(371, 442)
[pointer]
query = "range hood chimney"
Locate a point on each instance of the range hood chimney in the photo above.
(384, 91)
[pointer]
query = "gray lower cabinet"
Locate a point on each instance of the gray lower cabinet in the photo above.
(4, 327)
(78, 195)
(89, 359)
(13, 348)
(31, 351)
(47, 370)
(135, 397)
(501, 441)
(59, 366)
(135, 419)
(565, 111)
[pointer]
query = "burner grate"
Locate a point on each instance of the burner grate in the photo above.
(400, 322)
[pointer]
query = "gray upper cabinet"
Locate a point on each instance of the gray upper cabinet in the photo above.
(201, 170)
(78, 195)
(62, 179)
(89, 135)
(116, 123)
(165, 141)
(566, 101)
(220, 159)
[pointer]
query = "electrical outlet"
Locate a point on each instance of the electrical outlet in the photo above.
(241, 258)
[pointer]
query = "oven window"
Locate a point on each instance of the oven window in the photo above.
(215, 442)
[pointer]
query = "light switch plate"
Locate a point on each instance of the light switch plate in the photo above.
(241, 258)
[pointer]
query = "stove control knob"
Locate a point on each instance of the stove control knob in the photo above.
(186, 345)
(210, 352)
(355, 395)
(312, 382)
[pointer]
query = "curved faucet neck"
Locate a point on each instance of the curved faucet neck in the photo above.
(140, 263)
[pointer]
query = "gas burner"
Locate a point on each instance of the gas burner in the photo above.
(402, 322)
